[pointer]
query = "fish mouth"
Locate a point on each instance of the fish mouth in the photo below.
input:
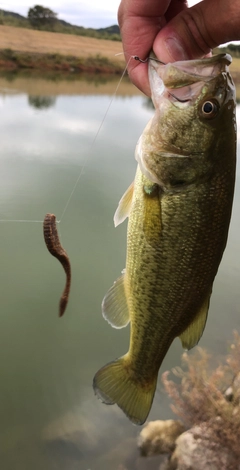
(183, 80)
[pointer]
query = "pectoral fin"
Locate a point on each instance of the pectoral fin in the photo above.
(114, 305)
(124, 206)
(194, 331)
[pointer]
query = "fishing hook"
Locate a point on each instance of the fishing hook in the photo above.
(148, 58)
(161, 62)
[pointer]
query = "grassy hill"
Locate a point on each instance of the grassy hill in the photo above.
(9, 18)
(44, 50)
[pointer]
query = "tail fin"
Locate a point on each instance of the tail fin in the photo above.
(115, 383)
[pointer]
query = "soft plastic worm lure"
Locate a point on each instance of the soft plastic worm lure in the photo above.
(55, 248)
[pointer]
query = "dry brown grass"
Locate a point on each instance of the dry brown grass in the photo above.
(29, 40)
(199, 397)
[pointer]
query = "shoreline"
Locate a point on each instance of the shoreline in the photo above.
(16, 61)
(11, 60)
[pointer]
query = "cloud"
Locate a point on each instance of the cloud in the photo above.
(83, 13)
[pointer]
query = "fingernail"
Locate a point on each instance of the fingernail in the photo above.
(175, 49)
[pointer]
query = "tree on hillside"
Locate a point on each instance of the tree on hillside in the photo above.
(40, 16)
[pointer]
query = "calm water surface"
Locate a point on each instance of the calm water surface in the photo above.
(49, 416)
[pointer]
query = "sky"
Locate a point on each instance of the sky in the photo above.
(87, 13)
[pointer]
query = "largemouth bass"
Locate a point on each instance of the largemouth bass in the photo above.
(179, 210)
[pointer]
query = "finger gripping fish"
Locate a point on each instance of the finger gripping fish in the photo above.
(179, 209)
(55, 248)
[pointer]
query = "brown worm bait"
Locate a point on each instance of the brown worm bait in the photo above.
(55, 248)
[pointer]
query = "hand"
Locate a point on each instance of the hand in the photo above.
(173, 31)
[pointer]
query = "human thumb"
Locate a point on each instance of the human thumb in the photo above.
(195, 31)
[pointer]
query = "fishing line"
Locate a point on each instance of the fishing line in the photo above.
(94, 140)
(21, 221)
(135, 57)
(86, 159)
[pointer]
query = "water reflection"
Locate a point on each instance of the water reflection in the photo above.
(147, 103)
(41, 102)
(49, 415)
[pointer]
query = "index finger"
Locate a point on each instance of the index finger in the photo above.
(140, 22)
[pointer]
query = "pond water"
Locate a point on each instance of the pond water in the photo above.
(49, 416)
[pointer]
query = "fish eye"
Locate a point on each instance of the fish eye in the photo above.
(209, 109)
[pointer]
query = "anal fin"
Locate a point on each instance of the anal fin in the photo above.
(194, 331)
(114, 305)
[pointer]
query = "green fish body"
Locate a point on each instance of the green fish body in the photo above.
(179, 210)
